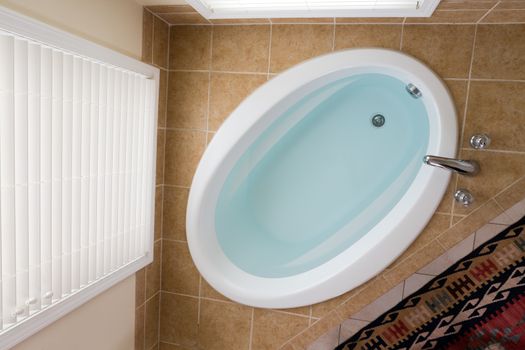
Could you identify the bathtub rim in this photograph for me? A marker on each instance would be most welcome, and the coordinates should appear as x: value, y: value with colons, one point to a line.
x: 359, y: 262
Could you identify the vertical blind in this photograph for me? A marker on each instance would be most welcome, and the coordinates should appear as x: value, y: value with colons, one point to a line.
x: 76, y: 168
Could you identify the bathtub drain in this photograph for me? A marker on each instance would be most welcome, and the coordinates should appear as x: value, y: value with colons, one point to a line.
x: 378, y: 120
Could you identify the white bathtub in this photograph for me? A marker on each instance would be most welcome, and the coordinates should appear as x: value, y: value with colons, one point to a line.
x: 316, y: 259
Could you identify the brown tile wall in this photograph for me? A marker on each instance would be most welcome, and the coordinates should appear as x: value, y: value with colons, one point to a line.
x: 476, y: 46
x: 155, y: 43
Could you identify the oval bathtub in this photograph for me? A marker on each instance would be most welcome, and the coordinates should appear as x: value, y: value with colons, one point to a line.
x: 315, y: 183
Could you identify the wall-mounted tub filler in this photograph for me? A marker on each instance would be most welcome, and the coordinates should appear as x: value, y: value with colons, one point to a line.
x: 299, y: 199
x: 460, y: 166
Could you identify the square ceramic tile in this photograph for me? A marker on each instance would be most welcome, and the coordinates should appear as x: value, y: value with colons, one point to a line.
x: 447, y: 49
x: 381, y: 304
x: 271, y: 329
x: 224, y: 325
x: 499, y: 52
x: 414, y: 282
x: 241, y: 48
x: 516, y: 212
x: 449, y: 257
x: 487, y: 232
x: 349, y: 327
x: 385, y: 36
x: 502, y: 219
x: 497, y: 108
x: 173, y: 327
x: 498, y: 170
x: 294, y: 43
x: 327, y: 341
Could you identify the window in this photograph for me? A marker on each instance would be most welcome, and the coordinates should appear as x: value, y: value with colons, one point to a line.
x: 215, y: 9
x: 77, y: 160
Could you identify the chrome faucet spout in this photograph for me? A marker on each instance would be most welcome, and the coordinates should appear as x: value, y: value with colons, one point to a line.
x: 460, y: 166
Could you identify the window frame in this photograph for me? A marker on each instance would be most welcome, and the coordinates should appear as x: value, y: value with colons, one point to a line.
x: 426, y: 9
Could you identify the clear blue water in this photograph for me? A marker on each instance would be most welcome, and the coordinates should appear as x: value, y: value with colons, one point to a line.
x: 321, y: 176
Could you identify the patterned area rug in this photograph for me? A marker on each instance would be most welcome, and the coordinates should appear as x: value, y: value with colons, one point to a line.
x: 478, y: 303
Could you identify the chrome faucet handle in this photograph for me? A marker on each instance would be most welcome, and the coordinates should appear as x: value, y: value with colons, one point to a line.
x: 464, y: 197
x: 480, y: 141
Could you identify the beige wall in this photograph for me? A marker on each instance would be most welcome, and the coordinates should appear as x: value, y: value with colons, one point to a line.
x: 104, y: 323
x: 113, y: 23
x: 107, y: 321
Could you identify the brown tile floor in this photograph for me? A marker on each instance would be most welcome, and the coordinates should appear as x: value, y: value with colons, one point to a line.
x: 234, y: 59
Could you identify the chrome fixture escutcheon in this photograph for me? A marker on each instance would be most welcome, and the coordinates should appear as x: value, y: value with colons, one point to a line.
x: 480, y: 141
x: 413, y: 90
x: 464, y: 197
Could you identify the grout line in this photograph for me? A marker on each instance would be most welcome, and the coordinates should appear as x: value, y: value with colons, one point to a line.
x: 369, y: 23
x: 503, y: 190
x: 251, y: 330
x: 281, y: 311
x: 153, y: 296
x: 427, y: 274
x: 455, y: 79
x: 462, y: 136
x: 441, y: 24
x: 489, y: 11
x: 499, y: 80
x: 310, y: 316
x: 269, y: 52
x: 402, y: 33
x: 174, y: 240
x: 144, y: 321
x: 502, y: 23
x: 360, y: 319
x: 187, y: 129
x: 462, y: 10
x: 209, y: 94
x: 453, y: 200
x: 160, y: 283
x: 473, y: 242
x: 445, y: 250
x: 176, y: 186
x: 492, y: 150
x: 165, y: 119
x: 333, y: 36
x: 158, y: 320
x: 156, y: 15
x: 191, y: 24
x: 168, y: 53
x: 170, y: 343
x: 178, y: 13
x: 181, y: 294
x: 502, y: 210
x: 232, y: 303
x: 199, y: 301
x: 215, y: 71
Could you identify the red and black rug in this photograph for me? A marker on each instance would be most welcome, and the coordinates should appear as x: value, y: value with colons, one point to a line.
x: 476, y: 304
